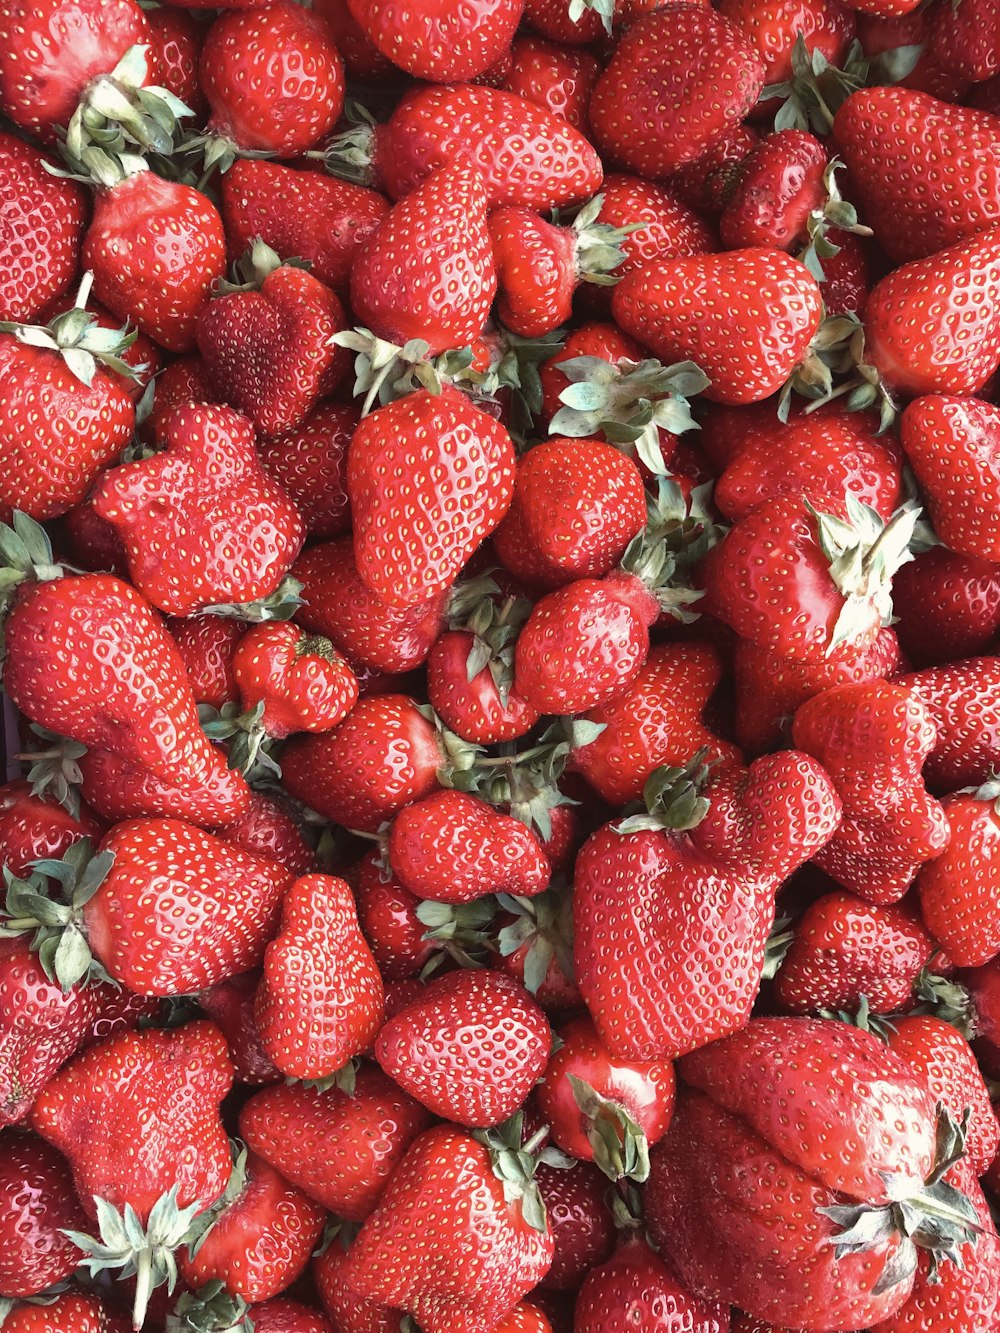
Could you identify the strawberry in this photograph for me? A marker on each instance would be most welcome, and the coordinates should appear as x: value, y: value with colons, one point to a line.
x: 963, y: 703
x: 230, y: 1006
x: 947, y: 606
x: 64, y: 416
x: 897, y: 140
x: 708, y: 309
x: 535, y: 940
x: 44, y: 228
x: 370, y: 633
x: 309, y: 463
x: 284, y: 1316
x: 552, y: 77
x: 844, y: 1134
x: 452, y: 847
x: 352, y: 1313
x: 580, y: 1220
x: 363, y: 61
x: 486, y: 709
x: 176, y: 39
x: 872, y: 739
x: 182, y: 382
x: 469, y: 1047
x: 38, y: 1205
x: 967, y: 43
x: 779, y: 186
x: 773, y: 26
x: 526, y: 157
x: 958, y: 889
x: 138, y: 1118
x: 878, y: 35
x: 340, y: 1148
x: 669, y: 227
x: 844, y: 949
x: 34, y: 826
x: 206, y: 645
x: 70, y: 1311
x: 301, y: 213
x: 637, y: 1289
x: 679, y: 78
x: 603, y: 1109
x: 274, y: 81
x: 429, y: 478
x: 847, y: 277
x: 262, y: 1235
x: 220, y: 505
x: 131, y: 700
x: 657, y: 720
x: 671, y: 926
x: 303, y: 684
x: 580, y: 25
x: 320, y: 1001
x: 142, y: 359
x: 438, y: 42
x: 704, y: 184
x: 451, y: 1241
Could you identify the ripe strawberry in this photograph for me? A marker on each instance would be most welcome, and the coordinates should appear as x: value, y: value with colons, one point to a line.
x: 842, y: 1130
x: 552, y: 77
x: 878, y: 35
x: 704, y: 184
x: 273, y: 79
x: 429, y: 478
x: 45, y: 216
x: 847, y: 277
x: 958, y: 889
x: 947, y: 606
x: 303, y: 684
x: 773, y: 26
x: 230, y: 1006
x: 486, y: 709
x: 679, y: 78
x: 37, y: 1203
x: 452, y: 847
x: 321, y: 1000
x: 451, y: 1241
x: 580, y: 1221
x: 669, y: 227
x: 657, y: 720
x: 780, y: 186
x: 438, y: 42
x: 70, y: 1311
x: 582, y: 24
x: 340, y: 1148
x: 309, y: 463
x: 299, y: 213
x: 363, y: 61
x: 636, y: 1289
x: 964, y: 705
x: 844, y: 949
x: 535, y: 940
x: 873, y: 739
x: 671, y: 926
x: 33, y: 826
x: 284, y: 1316
x: 592, y: 341
x: 261, y: 1238
x: 708, y: 309
x: 206, y: 645
x: 526, y: 157
x: 205, y: 545
x: 176, y: 38
x: 967, y: 43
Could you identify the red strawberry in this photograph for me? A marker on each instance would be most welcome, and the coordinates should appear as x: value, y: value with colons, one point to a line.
x: 595, y: 340
x: 469, y: 1047
x: 262, y: 1237
x: 284, y: 1316
x: 485, y: 709
x: 679, y: 78
x: 704, y: 184
x: 746, y: 317
x: 273, y: 78
x: 881, y: 34
x: 773, y: 26
x: 451, y: 1241
x: 580, y: 1221
x: 552, y: 77
x: 437, y: 41
x: 300, y: 214
x: 399, y: 940
x: 310, y: 465
x: 960, y: 889
x: 779, y: 187
x: 352, y: 1313
x: 427, y: 271
x: 669, y: 228
x: 536, y: 945
x: 321, y: 1000
x: 636, y: 1289
x: 873, y: 739
x: 525, y: 156
x: 844, y: 950
x: 226, y: 534
x: 967, y: 42
x: 206, y: 645
x: 947, y: 606
x: 847, y: 277
x: 69, y: 1312
x: 34, y: 826
x: 303, y: 684
x: 230, y: 1006
x: 45, y: 215
x: 963, y: 702
x: 364, y: 62
x: 176, y: 39
x: 429, y: 477
x: 583, y: 24
x: 340, y: 1148
x: 671, y: 926
x: 453, y: 847
x: 37, y: 1203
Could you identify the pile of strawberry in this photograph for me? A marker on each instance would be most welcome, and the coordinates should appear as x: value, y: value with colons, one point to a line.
x: 500, y: 585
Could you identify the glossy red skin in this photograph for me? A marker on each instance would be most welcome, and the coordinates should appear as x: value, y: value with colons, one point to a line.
x: 230, y: 1006
x: 958, y: 889
x: 388, y: 915
x: 37, y: 1201
x: 445, y: 1200
x: 536, y: 271
x: 304, y: 684
x: 636, y: 1289
x: 182, y: 381
x: 273, y: 78
x: 177, y: 39
x: 878, y: 34
x: 826, y: 25
x: 261, y: 1241
x: 52, y: 49
x: 370, y: 634
x: 32, y: 827
x: 527, y: 158
x: 845, y: 948
x: 704, y: 184
x: 309, y: 463
x: 968, y: 44
x: 230, y: 903
x: 352, y: 1313
x: 281, y: 1315
x: 118, y: 1011
x: 44, y: 227
x: 779, y: 185
x: 671, y: 928
x: 594, y: 338
x: 472, y: 709
x: 363, y: 60
x: 229, y: 535
x: 657, y: 720
x: 156, y: 248
x: 76, y: 1311
x: 340, y: 1150
x: 384, y: 755
x: 206, y: 645
x: 947, y: 607
x: 671, y: 228
x: 269, y: 829
x: 579, y: 1219
x: 136, y: 706
x: 554, y: 78
x: 963, y: 701
x: 439, y: 42
x: 139, y: 1114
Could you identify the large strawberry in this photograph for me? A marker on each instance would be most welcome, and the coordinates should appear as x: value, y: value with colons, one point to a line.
x: 638, y: 1289
x: 437, y: 41
x: 959, y: 889
x: 964, y: 704
x: 201, y: 521
x: 671, y: 926
x: 39, y: 1204
x: 429, y: 476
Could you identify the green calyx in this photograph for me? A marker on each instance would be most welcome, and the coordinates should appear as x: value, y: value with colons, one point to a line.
x: 25, y: 553
x: 835, y: 368
x: 598, y: 245
x: 621, y: 1149
x: 947, y: 1000
x: 278, y: 605
x: 56, y: 923
x: 211, y: 1309
x: 54, y: 773
x: 249, y: 749
x: 351, y: 155
x: 344, y: 1079
x: 458, y: 757
x: 525, y: 782
x: 835, y: 214
x: 812, y: 96
x: 494, y: 623
x: 459, y: 932
x: 385, y: 372
x: 678, y: 533
x: 864, y: 552
x: 254, y: 267
x: 516, y: 371
x: 629, y: 403
x: 778, y: 943
x: 545, y: 924
x: 879, y: 1025
x: 671, y: 798
x: 938, y: 1219
x: 514, y: 1163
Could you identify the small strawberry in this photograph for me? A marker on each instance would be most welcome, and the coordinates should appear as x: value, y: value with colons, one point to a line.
x: 303, y: 684
x: 535, y: 940
x: 960, y: 889
x: 176, y: 38
x: 363, y: 61
x: 947, y: 606
x: 309, y: 463
x: 36, y: 824
x: 194, y: 517
x: 669, y: 227
x: 552, y: 77
x: 585, y: 23
x: 230, y: 1006
x: 438, y: 42
x: 206, y: 645
x: 964, y: 705
x: 826, y: 26
x: 704, y: 184
x: 38, y: 1204
x: 582, y: 1226
x: 637, y: 1289
x: 339, y: 1147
